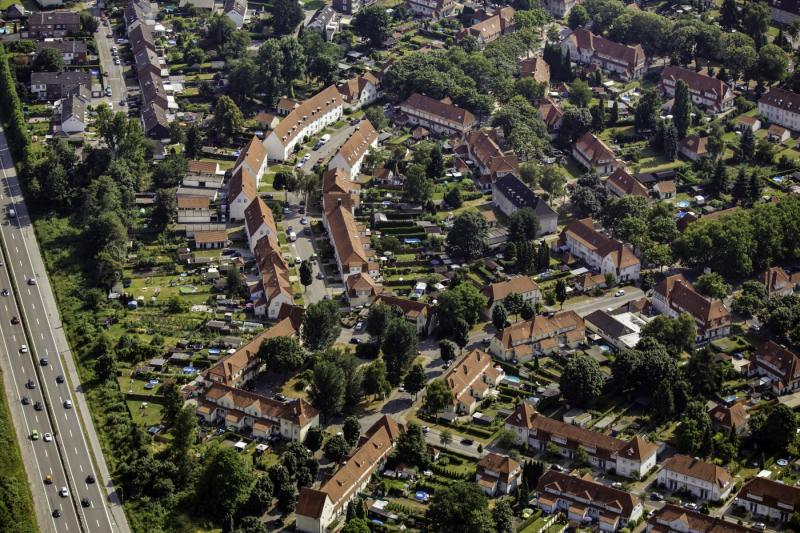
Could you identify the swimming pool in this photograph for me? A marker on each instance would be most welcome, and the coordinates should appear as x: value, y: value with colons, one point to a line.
x: 512, y: 379
x: 683, y: 203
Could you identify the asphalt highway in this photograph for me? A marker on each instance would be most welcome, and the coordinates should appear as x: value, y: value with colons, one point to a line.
x: 69, y: 458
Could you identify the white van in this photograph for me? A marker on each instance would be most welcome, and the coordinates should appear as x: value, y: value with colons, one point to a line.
x: 12, y: 213
x: 292, y: 236
x: 325, y: 138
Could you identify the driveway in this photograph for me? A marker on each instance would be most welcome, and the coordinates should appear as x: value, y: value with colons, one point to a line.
x: 303, y: 248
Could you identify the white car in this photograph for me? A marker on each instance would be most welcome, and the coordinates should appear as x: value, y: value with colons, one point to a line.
x: 297, y: 260
x: 67, y: 404
x: 619, y: 293
x: 48, y: 437
x: 23, y: 349
x: 64, y: 492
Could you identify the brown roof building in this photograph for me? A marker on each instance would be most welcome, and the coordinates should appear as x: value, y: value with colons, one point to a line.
x: 484, y: 150
x: 626, y: 61
x: 318, y: 508
x: 781, y: 107
x: 498, y: 474
x: 705, y: 481
x: 729, y: 417
x: 420, y: 314
x: 777, y: 282
x: 620, y: 183
x: 675, y: 295
x: 350, y: 156
x: 705, y: 91
x: 632, y: 458
x: 439, y: 116
x: 593, y: 154
x: 672, y: 518
x: 694, y: 147
x: 609, y: 256
x: 583, y: 498
x: 771, y: 499
x: 522, y: 285
x: 539, y: 335
x: 241, y: 192
x: 779, y: 364
x: 486, y: 31
x: 535, y: 67
x: 470, y: 379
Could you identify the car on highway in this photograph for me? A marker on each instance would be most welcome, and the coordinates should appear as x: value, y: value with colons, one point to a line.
x: 14, y: 320
x: 63, y: 492
x: 59, y: 379
x: 31, y: 281
x: 90, y: 479
x: 31, y: 384
x: 85, y: 502
x: 5, y: 292
x: 48, y: 479
x: 48, y: 437
x: 38, y: 406
x: 35, y: 434
x: 26, y: 400
x: 43, y: 361
x: 23, y: 349
x: 67, y: 404
x: 56, y: 513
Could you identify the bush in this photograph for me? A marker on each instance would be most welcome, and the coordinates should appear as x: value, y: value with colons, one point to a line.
x: 367, y: 350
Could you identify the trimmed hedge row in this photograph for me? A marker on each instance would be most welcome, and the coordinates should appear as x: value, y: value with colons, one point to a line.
x: 11, y: 107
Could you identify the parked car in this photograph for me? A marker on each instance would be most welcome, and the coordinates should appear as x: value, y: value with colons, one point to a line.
x: 467, y: 442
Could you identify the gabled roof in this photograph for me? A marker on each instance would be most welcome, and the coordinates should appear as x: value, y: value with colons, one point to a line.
x: 583, y: 231
x: 517, y: 284
x: 541, y: 327
x: 65, y: 47
x: 550, y: 113
x: 296, y: 410
x: 306, y: 113
x: 274, y: 271
x: 677, y: 290
x: 781, y: 98
x: 594, y: 149
x: 336, y: 180
x: 241, y: 181
x: 195, y: 166
x: 258, y: 213
x: 674, y: 518
x: 771, y: 494
x: 519, y: 194
x: 410, y: 308
x: 346, y: 237
x: 691, y: 467
x: 438, y: 108
x: 351, y: 89
x: 466, y: 373
x: 360, y: 282
x: 587, y: 490
x: 638, y: 449
x: 623, y: 54
x: 536, y: 67
x: 155, y: 119
x: 358, y: 144
x: 40, y: 18
x: 624, y: 183
x: 780, y: 358
x: 697, y: 82
x: 734, y: 416
x: 492, y: 27
x: 253, y: 153
x: 236, y: 6
x: 695, y: 144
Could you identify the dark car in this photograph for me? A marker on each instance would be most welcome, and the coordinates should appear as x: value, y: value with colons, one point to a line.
x: 14, y: 320
x: 56, y: 513
x: 26, y: 400
x: 38, y: 406
x: 43, y: 361
x: 467, y: 442
x: 355, y: 340
x: 31, y: 384
x: 59, y: 379
x: 5, y: 292
x: 85, y: 502
x: 90, y: 479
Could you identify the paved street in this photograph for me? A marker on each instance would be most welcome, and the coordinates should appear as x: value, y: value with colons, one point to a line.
x: 115, y: 79
x: 40, y: 314
x: 586, y: 307
x: 303, y: 248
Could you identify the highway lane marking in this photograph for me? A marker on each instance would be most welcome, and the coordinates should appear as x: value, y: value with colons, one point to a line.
x: 70, y: 434
x: 37, y: 321
x: 46, y: 454
x: 76, y: 450
x: 79, y: 466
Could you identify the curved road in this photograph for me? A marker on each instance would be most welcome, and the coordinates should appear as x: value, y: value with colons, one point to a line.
x: 39, y: 313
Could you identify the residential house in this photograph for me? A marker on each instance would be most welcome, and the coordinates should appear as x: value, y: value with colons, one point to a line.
x: 210, y: 239
x: 351, y: 243
x: 510, y: 195
x: 253, y: 157
x: 140, y: 37
x: 781, y: 107
x: 155, y: 122
x: 203, y: 174
x: 746, y: 122
x: 53, y: 24
x: 350, y: 156
x: 694, y: 147
x: 583, y: 499
x: 488, y: 30
x: 588, y: 282
x: 259, y: 222
x: 537, y: 68
x: 727, y: 418
x: 626, y: 61
x: 523, y: 285
x: 777, y: 363
x: 242, y: 191
x: 703, y: 480
x: 326, y: 21
x: 594, y: 155
x: 439, y: 116
x: 350, y: 7
x: 609, y: 256
x: 148, y: 61
x: 419, y: 314
x: 620, y: 184
x: 360, y: 91
x: 665, y: 190
x: 777, y: 134
x: 307, y: 119
x: 267, y: 121
x: 633, y: 458
x: 244, y: 364
x: 771, y: 499
x: 236, y: 11
x: 52, y: 86
x: 71, y: 111
x: 431, y: 9
x: 470, y: 379
x: 275, y: 286
x: 539, y: 335
x: 498, y: 475
x: 675, y: 295
x: 559, y: 8
x: 72, y: 52
x: 319, y: 508
x: 674, y: 519
x: 361, y: 289
x: 261, y: 415
x: 16, y: 12
x: 286, y: 106
x: 777, y: 282
x: 484, y: 150
x: 706, y: 92
x: 784, y: 11
x: 338, y: 190
x: 620, y: 330
x: 552, y: 116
